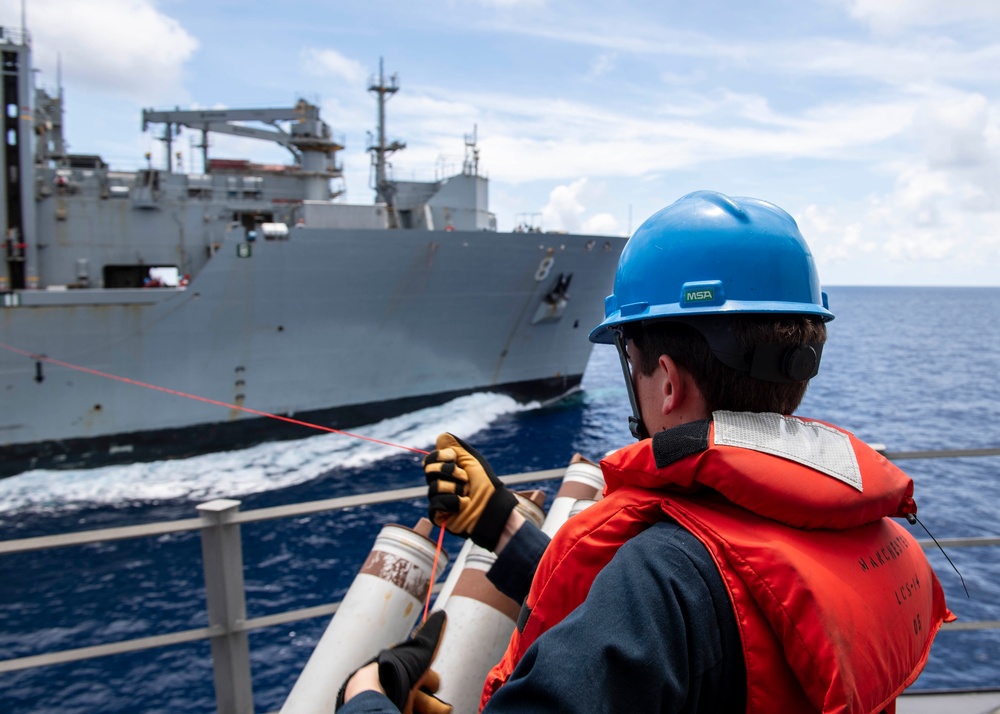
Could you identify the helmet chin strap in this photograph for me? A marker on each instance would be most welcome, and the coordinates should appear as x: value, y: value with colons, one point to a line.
x: 635, y: 424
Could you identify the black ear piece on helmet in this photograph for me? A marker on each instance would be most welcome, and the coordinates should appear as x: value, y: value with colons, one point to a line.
x: 767, y: 362
x: 781, y: 363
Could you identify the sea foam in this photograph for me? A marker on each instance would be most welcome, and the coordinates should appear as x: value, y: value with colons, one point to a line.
x: 264, y: 467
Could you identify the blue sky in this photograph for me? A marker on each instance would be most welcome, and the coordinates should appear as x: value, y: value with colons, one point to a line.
x: 876, y: 123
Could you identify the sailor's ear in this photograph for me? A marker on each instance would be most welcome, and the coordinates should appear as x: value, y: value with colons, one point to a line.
x: 681, y: 395
x: 672, y: 385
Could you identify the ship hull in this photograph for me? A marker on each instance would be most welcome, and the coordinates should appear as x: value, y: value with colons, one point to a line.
x: 342, y: 326
x: 140, y: 446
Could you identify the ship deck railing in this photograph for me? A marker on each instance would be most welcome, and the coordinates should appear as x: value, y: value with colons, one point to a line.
x: 14, y: 36
x: 222, y: 561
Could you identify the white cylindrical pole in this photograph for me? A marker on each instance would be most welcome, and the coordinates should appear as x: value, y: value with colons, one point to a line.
x: 480, y: 619
x: 379, y: 610
x: 583, y: 480
x: 581, y: 505
x: 480, y: 622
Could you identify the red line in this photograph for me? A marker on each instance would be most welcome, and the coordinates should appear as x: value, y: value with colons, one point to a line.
x: 177, y: 393
x: 437, y: 554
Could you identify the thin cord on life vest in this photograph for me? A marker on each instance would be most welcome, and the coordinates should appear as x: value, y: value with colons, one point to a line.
x: 177, y: 393
x: 912, y: 518
x: 437, y: 555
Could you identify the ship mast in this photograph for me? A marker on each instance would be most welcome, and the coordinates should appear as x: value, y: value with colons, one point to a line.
x: 18, y: 239
x: 470, y: 166
x: 384, y: 190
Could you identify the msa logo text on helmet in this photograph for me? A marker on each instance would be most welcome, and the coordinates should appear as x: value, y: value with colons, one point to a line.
x: 699, y: 295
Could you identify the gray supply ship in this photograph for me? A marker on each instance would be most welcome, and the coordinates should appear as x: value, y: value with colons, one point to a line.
x: 253, y: 286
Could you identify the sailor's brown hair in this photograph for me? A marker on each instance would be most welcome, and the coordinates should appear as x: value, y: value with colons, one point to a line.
x: 722, y: 386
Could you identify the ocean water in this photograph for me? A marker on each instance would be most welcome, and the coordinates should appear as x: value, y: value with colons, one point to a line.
x: 912, y: 368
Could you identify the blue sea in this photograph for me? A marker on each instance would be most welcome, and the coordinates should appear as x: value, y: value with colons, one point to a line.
x: 911, y: 368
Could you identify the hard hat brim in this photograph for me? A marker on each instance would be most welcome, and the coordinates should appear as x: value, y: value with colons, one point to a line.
x: 604, y: 333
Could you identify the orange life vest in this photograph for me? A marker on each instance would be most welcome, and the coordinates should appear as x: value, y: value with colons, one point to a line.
x: 835, y: 603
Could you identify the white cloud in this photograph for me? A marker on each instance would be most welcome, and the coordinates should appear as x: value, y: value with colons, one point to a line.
x: 829, y: 238
x: 602, y: 224
x: 925, y: 218
x: 127, y: 47
x: 960, y: 135
x: 561, y: 139
x: 940, y: 219
x: 894, y: 15
x: 327, y: 62
x: 890, y: 60
x: 565, y: 210
x: 680, y: 79
x: 507, y: 4
x: 602, y: 64
x: 614, y: 34
x: 889, y: 141
x: 954, y: 128
x: 920, y: 221
x: 900, y: 64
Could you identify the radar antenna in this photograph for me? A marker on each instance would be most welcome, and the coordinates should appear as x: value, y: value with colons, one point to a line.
x: 470, y: 166
x: 384, y: 190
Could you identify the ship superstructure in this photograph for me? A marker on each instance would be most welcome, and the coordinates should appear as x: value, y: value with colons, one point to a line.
x: 257, y: 285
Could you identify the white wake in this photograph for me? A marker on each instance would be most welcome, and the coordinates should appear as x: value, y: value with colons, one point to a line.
x: 260, y: 468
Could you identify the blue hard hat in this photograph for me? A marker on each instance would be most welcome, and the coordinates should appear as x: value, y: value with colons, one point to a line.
x: 709, y: 254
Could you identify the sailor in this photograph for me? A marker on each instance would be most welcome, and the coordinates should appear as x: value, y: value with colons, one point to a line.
x: 742, y: 559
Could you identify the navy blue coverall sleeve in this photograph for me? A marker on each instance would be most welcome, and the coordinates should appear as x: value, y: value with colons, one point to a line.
x: 655, y: 634
x: 515, y: 567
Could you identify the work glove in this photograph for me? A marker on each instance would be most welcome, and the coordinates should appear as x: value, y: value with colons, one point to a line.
x: 404, y: 670
x: 464, y: 494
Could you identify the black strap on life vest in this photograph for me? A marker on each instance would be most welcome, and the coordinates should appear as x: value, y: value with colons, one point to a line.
x: 674, y: 444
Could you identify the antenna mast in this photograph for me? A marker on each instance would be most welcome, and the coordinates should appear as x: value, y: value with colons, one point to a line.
x: 380, y: 151
x: 470, y: 167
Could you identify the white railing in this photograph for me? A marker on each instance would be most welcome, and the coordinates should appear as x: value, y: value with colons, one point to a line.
x: 222, y: 556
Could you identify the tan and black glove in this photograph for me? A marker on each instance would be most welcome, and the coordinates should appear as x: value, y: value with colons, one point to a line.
x: 404, y: 670
x: 465, y: 494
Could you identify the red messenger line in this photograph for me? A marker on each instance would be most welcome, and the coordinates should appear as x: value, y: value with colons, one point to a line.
x: 434, y: 567
x: 177, y: 393
x: 126, y: 380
